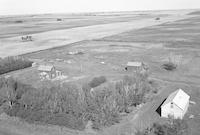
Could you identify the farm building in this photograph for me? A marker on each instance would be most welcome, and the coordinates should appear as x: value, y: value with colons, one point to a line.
x: 48, y: 70
x: 58, y: 73
x: 134, y: 66
x: 34, y: 64
x: 176, y: 105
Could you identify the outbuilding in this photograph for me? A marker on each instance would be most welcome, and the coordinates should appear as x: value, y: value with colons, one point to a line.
x: 176, y: 105
x: 49, y: 69
x: 134, y: 66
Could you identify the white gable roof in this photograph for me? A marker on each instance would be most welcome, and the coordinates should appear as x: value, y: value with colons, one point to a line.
x: 134, y: 64
x: 178, y: 97
x: 45, y: 68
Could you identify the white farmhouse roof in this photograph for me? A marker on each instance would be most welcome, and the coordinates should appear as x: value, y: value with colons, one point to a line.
x: 46, y: 68
x: 178, y: 97
x: 134, y: 64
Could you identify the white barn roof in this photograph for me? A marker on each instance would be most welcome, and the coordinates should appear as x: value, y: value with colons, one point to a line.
x: 134, y: 64
x: 47, y: 68
x: 178, y: 97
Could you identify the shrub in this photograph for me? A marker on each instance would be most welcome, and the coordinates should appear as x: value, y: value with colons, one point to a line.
x: 59, y: 19
x: 169, y: 66
x: 97, y: 81
x: 173, y: 127
x: 158, y: 18
x: 158, y: 129
x: 79, y: 53
x: 19, y: 21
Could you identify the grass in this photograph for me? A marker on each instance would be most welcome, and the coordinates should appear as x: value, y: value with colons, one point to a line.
x: 47, y: 23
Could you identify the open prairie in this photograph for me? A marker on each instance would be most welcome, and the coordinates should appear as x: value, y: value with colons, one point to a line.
x: 52, y: 33
x: 104, y: 43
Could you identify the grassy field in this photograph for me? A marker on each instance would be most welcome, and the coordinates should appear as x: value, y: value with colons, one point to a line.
x: 62, y: 36
x: 153, y: 45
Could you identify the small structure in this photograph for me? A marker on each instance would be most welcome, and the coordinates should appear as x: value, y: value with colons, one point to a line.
x: 58, y: 73
x: 34, y: 64
x: 26, y: 38
x: 48, y: 70
x: 176, y: 105
x: 134, y: 66
x: 76, y: 52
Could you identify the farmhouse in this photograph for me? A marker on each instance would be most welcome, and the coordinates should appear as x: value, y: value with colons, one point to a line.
x: 134, y: 66
x: 176, y: 105
x: 48, y: 70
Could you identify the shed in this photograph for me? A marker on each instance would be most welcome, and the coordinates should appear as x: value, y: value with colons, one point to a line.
x: 133, y: 66
x: 34, y: 64
x: 49, y: 69
x: 176, y: 105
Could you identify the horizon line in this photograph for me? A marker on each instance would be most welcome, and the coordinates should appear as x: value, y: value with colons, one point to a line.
x: 82, y: 12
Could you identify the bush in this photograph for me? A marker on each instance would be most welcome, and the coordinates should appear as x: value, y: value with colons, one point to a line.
x: 19, y: 21
x: 169, y: 66
x: 11, y: 64
x: 97, y: 81
x: 79, y: 53
x: 158, y: 18
x: 158, y: 129
x: 59, y: 19
x: 173, y: 127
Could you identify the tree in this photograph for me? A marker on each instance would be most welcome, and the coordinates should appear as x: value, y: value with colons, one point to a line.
x: 97, y: 81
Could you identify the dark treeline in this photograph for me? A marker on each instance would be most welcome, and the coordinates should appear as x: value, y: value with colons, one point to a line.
x: 9, y: 64
x: 72, y: 106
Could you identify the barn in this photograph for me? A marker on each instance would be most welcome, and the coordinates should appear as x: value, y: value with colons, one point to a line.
x: 134, y: 66
x: 48, y: 69
x: 176, y: 105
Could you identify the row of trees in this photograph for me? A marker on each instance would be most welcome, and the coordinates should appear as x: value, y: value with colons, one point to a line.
x: 9, y: 64
x: 73, y: 106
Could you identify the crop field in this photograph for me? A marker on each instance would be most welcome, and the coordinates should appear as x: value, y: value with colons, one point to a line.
x: 91, y: 45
